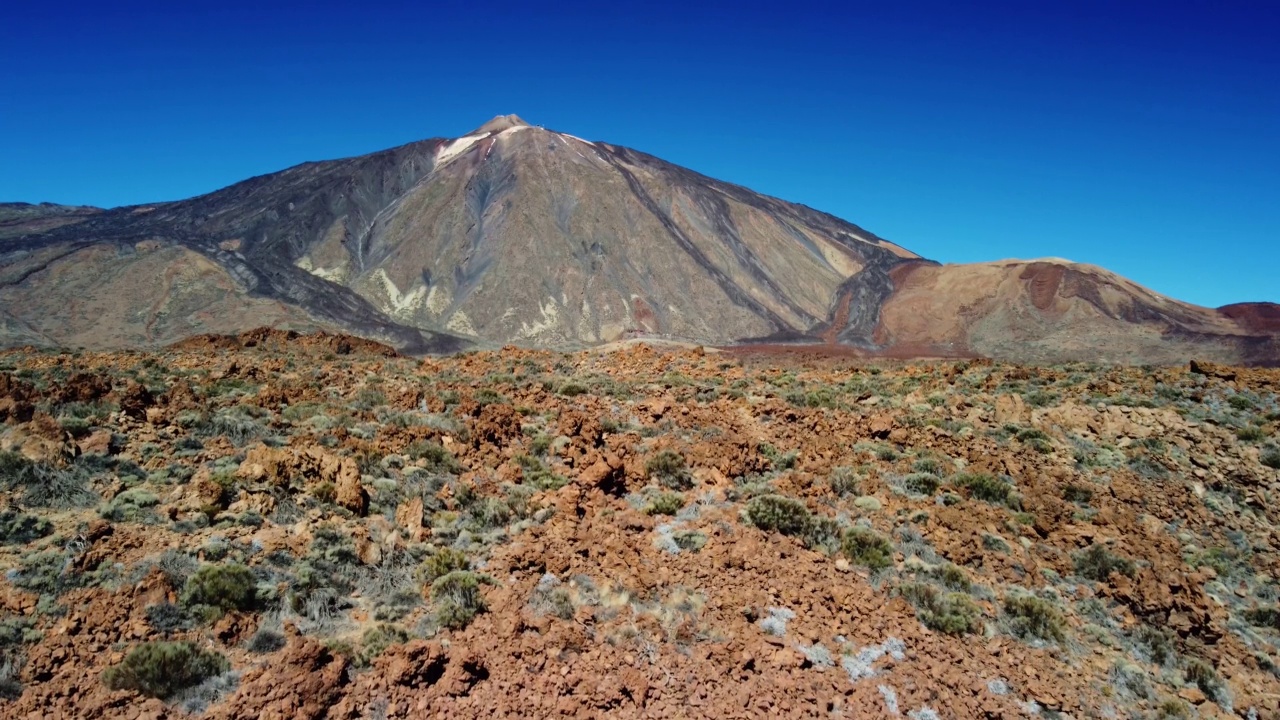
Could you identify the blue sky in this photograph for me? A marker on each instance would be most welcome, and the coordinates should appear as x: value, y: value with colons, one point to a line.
x: 1140, y: 136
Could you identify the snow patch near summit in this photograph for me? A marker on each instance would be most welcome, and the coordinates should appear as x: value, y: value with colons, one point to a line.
x: 457, y: 147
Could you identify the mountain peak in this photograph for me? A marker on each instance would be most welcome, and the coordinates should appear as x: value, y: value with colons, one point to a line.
x: 500, y: 123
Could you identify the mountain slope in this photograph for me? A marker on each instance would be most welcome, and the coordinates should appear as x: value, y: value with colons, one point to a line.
x: 517, y: 234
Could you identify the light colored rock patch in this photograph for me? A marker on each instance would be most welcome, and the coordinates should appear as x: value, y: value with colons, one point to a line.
x: 586, y: 323
x: 399, y: 304
x: 550, y: 320
x: 460, y: 323
x: 334, y: 274
x: 438, y: 300
x: 457, y: 147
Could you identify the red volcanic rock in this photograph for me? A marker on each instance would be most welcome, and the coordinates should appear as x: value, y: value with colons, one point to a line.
x: 1256, y: 317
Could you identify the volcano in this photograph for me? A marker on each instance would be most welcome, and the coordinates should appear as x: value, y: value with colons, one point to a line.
x: 516, y: 234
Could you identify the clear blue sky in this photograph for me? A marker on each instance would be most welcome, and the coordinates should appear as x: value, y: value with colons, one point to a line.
x: 1141, y: 136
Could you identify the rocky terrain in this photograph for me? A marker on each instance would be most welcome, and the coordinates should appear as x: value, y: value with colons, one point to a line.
x: 312, y: 526
x: 516, y: 234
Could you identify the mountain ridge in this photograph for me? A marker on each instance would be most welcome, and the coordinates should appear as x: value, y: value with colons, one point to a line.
x: 515, y: 234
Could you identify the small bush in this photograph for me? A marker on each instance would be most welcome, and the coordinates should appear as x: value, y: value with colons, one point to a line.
x: 984, y: 487
x: 1097, y: 563
x: 916, y: 484
x: 1250, y: 433
x: 224, y: 587
x: 457, y: 598
x: 46, y: 573
x: 436, y: 456
x: 690, y: 540
x: 778, y: 513
x: 1202, y: 675
x: 864, y: 546
x: 953, y: 613
x: 1173, y: 709
x: 845, y: 483
x: 46, y: 486
x: 537, y: 474
x: 266, y: 641
x: 780, y: 461
x: 162, y: 669
x: 441, y: 563
x: 1157, y: 642
x: 1271, y: 458
x: 1034, y: 618
x: 1077, y: 493
x: 1240, y: 402
x: 167, y: 617
x: 1265, y: 616
x: 132, y: 505
x: 668, y: 469
x: 667, y: 503
x: 953, y: 577
x: 177, y: 566
x: 19, y: 528
x: 377, y: 639
x: 572, y: 389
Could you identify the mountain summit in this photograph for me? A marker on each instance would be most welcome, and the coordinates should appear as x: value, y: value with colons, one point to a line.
x: 518, y: 234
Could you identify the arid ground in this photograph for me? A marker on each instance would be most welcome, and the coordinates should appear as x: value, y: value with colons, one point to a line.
x: 283, y: 526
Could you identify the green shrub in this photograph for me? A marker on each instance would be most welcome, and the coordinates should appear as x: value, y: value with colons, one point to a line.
x: 167, y: 618
x: 864, y: 546
x: 457, y: 599
x: 132, y: 505
x: 1265, y: 616
x: 994, y: 543
x: 1271, y: 458
x: 19, y: 528
x: 667, y: 503
x: 572, y: 389
x: 953, y: 577
x: 1077, y: 493
x: 1250, y: 433
x: 984, y: 487
x: 436, y: 456
x: 489, y: 513
x: 16, y: 631
x: 377, y: 639
x: 1173, y: 709
x: 690, y: 540
x: 1158, y: 643
x: 1240, y: 402
x: 441, y: 563
x: 537, y: 474
x: 1202, y: 675
x: 45, y: 573
x: 953, y: 613
x: 1034, y: 618
x: 844, y: 482
x: 668, y: 469
x: 266, y: 641
x: 1097, y: 563
x: 918, y: 483
x: 1035, y: 439
x: 162, y: 669
x: 778, y: 513
x: 46, y: 486
x: 222, y: 587
x: 927, y: 465
x: 780, y: 461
